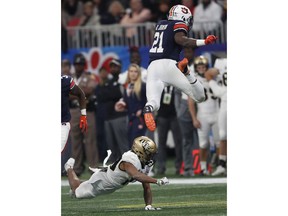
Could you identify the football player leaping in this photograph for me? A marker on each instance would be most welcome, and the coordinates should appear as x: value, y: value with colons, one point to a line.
x: 164, y: 69
x: 134, y: 165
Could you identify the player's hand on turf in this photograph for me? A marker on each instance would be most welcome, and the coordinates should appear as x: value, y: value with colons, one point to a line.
x: 210, y: 39
x: 151, y: 208
x: 83, y: 123
x: 162, y: 181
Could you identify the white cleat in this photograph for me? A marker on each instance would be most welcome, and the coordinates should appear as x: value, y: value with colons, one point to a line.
x: 69, y: 164
x: 219, y: 171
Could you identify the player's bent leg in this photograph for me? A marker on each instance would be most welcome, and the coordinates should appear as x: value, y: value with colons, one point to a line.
x: 186, y: 83
x: 154, y: 88
x: 196, y: 91
x: 73, y: 179
x: 84, y: 191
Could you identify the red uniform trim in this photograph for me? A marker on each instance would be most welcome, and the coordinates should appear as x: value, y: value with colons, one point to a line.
x: 180, y: 26
x: 72, y: 84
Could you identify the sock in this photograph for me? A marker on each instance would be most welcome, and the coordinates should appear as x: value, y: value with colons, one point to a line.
x: 222, y: 160
x: 191, y: 78
x: 203, y: 165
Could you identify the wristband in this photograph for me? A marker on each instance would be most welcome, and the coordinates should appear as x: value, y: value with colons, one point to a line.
x: 200, y: 42
x: 83, y: 112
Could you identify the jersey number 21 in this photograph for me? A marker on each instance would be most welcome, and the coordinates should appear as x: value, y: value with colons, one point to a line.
x: 157, y: 43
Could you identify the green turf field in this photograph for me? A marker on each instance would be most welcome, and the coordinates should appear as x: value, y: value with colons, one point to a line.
x: 174, y: 199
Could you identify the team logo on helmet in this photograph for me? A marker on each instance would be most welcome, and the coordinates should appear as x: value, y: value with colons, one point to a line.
x: 184, y: 10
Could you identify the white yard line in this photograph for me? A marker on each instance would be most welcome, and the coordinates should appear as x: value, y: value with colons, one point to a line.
x: 180, y: 181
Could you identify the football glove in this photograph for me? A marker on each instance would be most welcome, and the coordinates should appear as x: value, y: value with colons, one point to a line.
x: 150, y: 208
x: 162, y: 181
x: 83, y: 123
x: 210, y: 39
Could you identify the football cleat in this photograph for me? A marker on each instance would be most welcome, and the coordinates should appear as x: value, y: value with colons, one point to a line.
x: 69, y: 164
x: 182, y: 65
x: 220, y: 170
x: 149, y: 119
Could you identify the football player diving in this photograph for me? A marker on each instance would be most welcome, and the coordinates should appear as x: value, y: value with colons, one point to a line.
x: 134, y: 165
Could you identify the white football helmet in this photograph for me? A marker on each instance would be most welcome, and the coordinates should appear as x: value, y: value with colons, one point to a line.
x: 181, y: 12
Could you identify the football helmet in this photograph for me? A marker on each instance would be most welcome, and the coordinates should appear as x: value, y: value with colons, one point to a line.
x: 181, y: 12
x: 145, y: 149
x: 200, y: 60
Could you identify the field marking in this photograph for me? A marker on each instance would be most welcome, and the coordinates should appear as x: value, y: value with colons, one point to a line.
x: 222, y: 180
x: 180, y: 204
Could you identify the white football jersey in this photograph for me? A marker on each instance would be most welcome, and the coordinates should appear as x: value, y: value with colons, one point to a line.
x: 119, y: 177
x: 219, y: 87
x: 220, y: 90
x: 211, y: 104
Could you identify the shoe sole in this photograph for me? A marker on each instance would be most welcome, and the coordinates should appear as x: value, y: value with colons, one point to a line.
x: 149, y: 121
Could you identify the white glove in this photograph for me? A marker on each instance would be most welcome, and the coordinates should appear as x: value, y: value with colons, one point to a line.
x: 162, y: 181
x: 150, y: 208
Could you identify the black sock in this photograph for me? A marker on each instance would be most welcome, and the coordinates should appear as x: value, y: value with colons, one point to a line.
x: 222, y: 163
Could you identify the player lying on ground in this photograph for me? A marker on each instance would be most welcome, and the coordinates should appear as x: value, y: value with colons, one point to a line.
x: 134, y: 165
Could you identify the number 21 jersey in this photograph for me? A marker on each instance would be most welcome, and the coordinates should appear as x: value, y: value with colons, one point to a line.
x: 164, y: 45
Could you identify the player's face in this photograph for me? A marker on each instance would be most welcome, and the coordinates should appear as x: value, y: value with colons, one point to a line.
x: 201, y: 69
x: 133, y: 74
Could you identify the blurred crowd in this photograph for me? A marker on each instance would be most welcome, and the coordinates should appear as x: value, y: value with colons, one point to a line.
x: 123, y: 12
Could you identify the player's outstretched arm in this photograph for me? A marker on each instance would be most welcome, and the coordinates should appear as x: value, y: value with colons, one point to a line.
x: 141, y: 177
x: 181, y: 39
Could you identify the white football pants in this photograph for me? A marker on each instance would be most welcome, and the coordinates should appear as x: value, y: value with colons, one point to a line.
x: 164, y: 72
x: 65, y: 129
